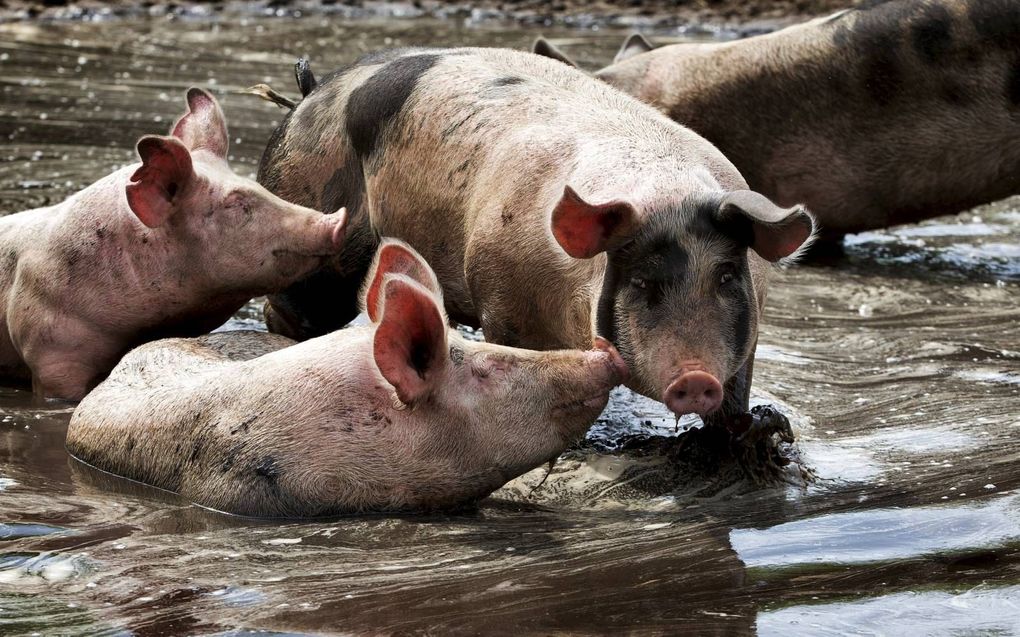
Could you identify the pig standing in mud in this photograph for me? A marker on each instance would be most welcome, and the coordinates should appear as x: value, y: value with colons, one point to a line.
x: 870, y: 117
x: 402, y: 415
x: 171, y: 246
x: 552, y: 208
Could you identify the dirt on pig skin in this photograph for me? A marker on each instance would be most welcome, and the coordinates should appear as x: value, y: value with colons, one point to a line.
x: 898, y: 366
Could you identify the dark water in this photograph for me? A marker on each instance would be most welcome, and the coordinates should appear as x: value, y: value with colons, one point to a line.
x: 899, y: 366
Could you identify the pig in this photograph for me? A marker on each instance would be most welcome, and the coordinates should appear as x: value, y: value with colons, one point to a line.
x: 403, y: 414
x: 552, y: 207
x: 871, y: 117
x: 169, y: 247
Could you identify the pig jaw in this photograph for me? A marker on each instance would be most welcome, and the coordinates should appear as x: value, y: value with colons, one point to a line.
x: 244, y: 239
x: 520, y: 407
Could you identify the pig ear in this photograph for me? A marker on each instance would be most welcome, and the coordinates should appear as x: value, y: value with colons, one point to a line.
x: 396, y: 257
x: 635, y: 44
x: 545, y: 48
x: 776, y: 232
x: 203, y: 126
x: 584, y: 230
x: 164, y: 173
x: 410, y: 341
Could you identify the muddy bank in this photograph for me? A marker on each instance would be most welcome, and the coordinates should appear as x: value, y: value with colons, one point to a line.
x: 683, y: 15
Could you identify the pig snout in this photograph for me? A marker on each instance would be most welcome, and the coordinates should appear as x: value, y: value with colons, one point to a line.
x: 694, y: 392
x: 618, y: 372
x: 334, y: 228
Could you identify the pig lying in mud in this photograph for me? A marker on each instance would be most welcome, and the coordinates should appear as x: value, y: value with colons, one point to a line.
x: 171, y: 246
x: 870, y: 117
x: 552, y: 208
x: 402, y: 415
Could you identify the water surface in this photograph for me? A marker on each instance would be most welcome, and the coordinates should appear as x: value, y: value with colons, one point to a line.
x: 899, y: 366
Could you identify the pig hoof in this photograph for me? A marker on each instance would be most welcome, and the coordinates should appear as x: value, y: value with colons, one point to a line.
x: 763, y: 421
x: 760, y: 440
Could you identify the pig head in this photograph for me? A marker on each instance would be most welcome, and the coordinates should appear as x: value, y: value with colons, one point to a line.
x: 683, y: 288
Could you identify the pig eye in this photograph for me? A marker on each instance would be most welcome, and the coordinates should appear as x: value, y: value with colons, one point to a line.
x: 639, y: 283
x: 727, y: 276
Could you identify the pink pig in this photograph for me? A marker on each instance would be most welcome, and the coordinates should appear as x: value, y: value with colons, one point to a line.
x: 169, y: 247
x: 403, y: 414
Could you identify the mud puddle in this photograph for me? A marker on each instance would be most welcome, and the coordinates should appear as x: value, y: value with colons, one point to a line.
x: 899, y: 366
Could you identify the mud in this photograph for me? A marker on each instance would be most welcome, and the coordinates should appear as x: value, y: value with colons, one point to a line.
x: 897, y: 363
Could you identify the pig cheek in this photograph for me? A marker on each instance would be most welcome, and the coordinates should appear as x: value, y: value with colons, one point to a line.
x: 641, y: 355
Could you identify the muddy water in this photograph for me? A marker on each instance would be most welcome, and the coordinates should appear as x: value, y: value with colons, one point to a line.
x: 899, y: 365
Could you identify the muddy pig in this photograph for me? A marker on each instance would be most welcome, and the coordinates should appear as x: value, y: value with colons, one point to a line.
x: 401, y: 415
x: 171, y: 246
x: 552, y: 208
x: 871, y: 117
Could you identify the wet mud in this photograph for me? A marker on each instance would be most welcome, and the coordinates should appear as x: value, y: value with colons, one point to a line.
x: 897, y: 363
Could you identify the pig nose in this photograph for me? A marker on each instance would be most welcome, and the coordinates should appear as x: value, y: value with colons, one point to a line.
x: 615, y: 360
x: 339, y: 220
x: 694, y: 393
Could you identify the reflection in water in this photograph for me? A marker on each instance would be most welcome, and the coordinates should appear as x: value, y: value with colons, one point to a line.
x: 878, y: 535
x: 979, y: 611
x: 900, y: 379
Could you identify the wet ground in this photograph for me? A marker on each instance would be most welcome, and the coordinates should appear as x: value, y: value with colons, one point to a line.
x: 899, y: 365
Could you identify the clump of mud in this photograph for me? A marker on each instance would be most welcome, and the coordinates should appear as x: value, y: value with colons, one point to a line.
x: 704, y: 462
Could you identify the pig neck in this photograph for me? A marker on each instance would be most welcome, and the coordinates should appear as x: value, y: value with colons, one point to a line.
x: 132, y: 273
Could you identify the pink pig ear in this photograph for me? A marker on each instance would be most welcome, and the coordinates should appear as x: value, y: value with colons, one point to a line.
x: 165, y: 171
x: 410, y: 342
x: 203, y: 127
x: 776, y: 232
x: 584, y: 230
x: 396, y: 257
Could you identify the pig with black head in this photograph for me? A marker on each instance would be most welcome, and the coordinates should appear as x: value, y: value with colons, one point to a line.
x: 170, y: 246
x: 552, y: 207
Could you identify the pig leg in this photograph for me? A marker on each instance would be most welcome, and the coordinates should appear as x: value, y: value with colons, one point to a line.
x: 748, y: 426
x: 58, y: 376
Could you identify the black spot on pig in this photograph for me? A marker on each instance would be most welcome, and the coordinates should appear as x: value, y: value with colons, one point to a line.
x: 269, y: 165
x: 345, y: 188
x: 268, y: 470
x: 955, y: 93
x: 508, y: 80
x: 374, y: 104
x: 1012, y: 88
x: 882, y: 74
x: 196, y: 450
x: 996, y: 21
x: 931, y: 33
x: 874, y: 40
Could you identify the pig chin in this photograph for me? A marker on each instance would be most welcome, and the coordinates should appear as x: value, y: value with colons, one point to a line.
x: 572, y: 418
x: 291, y: 266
